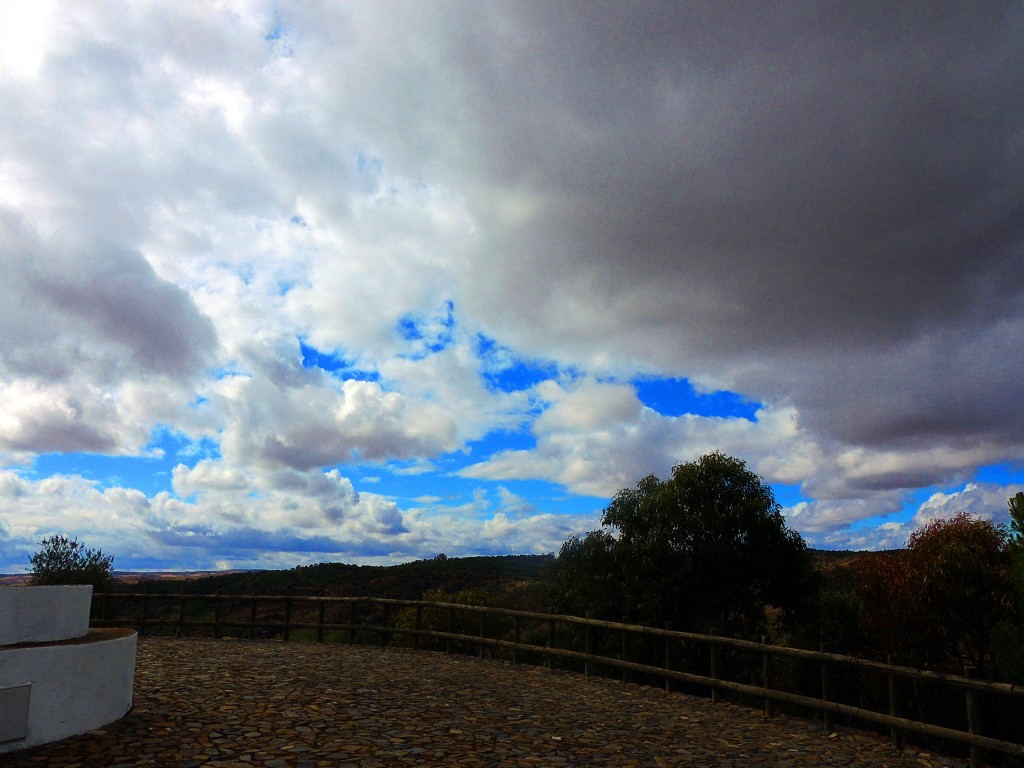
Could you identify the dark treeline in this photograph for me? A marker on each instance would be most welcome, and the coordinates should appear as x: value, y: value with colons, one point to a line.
x: 511, y: 576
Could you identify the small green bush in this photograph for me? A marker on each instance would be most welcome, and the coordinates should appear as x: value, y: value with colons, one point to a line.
x: 64, y: 561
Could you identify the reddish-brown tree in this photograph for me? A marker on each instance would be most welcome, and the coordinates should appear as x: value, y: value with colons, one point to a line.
x: 936, y: 603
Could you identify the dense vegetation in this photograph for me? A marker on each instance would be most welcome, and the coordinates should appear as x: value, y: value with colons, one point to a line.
x: 705, y: 550
x: 708, y: 549
x: 938, y: 602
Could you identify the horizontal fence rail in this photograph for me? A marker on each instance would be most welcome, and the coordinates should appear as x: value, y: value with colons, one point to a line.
x: 524, y: 635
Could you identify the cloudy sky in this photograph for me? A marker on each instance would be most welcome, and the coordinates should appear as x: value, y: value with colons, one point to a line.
x: 320, y: 281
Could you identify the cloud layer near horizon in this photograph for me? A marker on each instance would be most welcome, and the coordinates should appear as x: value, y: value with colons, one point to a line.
x: 814, y: 206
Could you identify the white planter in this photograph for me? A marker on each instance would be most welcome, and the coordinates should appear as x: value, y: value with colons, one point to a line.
x: 43, y: 614
x: 75, y: 686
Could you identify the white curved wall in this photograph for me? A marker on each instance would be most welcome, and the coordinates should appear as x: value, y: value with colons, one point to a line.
x: 76, y: 686
x: 43, y: 614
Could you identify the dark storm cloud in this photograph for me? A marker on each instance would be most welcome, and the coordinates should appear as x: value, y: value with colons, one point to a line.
x: 750, y: 191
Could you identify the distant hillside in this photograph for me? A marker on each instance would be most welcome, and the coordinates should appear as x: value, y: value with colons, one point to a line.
x: 407, y: 581
x: 838, y: 567
x: 499, y: 575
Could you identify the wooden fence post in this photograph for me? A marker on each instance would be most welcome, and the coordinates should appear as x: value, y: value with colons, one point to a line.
x: 668, y: 658
x: 974, y: 718
x: 216, y: 617
x: 483, y: 634
x: 142, y: 618
x: 716, y: 669
x: 451, y: 628
x: 419, y: 625
x: 588, y: 646
x: 287, y: 614
x: 252, y: 614
x: 895, y: 734
x: 387, y: 615
x: 551, y: 643
x: 766, y: 676
x: 321, y: 606
x: 352, y: 622
x: 517, y: 628
x: 625, y: 650
x: 826, y: 690
x: 181, y: 613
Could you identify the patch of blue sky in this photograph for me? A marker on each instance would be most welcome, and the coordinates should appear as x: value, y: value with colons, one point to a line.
x: 277, y: 27
x: 247, y: 273
x: 369, y: 174
x: 439, y: 487
x: 190, y: 452
x: 231, y: 369
x: 870, y: 523
x: 277, y: 35
x: 788, y: 495
x: 149, y: 473
x: 314, y: 358
x: 1001, y: 474
x: 677, y: 396
x: 371, y: 165
x: 1006, y: 474
x: 996, y: 474
x: 441, y: 484
x: 491, y: 443
x: 435, y: 487
x: 409, y: 329
x: 428, y: 334
x: 438, y: 492
x: 446, y: 466
x: 546, y: 496
x: 911, y: 504
x: 334, y: 364
x: 504, y: 371
x: 362, y: 473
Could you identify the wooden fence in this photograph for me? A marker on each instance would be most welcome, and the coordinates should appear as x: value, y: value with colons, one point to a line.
x: 527, y: 635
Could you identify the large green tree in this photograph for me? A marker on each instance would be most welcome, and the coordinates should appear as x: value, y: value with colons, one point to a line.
x: 585, y: 577
x: 707, y: 549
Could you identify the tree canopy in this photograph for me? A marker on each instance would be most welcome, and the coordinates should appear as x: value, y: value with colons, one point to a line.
x: 1016, y: 505
x: 65, y: 561
x: 937, y: 602
x: 707, y: 549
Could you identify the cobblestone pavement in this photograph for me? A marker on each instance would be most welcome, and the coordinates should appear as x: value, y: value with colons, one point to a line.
x: 242, y: 704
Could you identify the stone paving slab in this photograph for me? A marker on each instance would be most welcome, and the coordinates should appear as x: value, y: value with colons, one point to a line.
x: 243, y: 704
